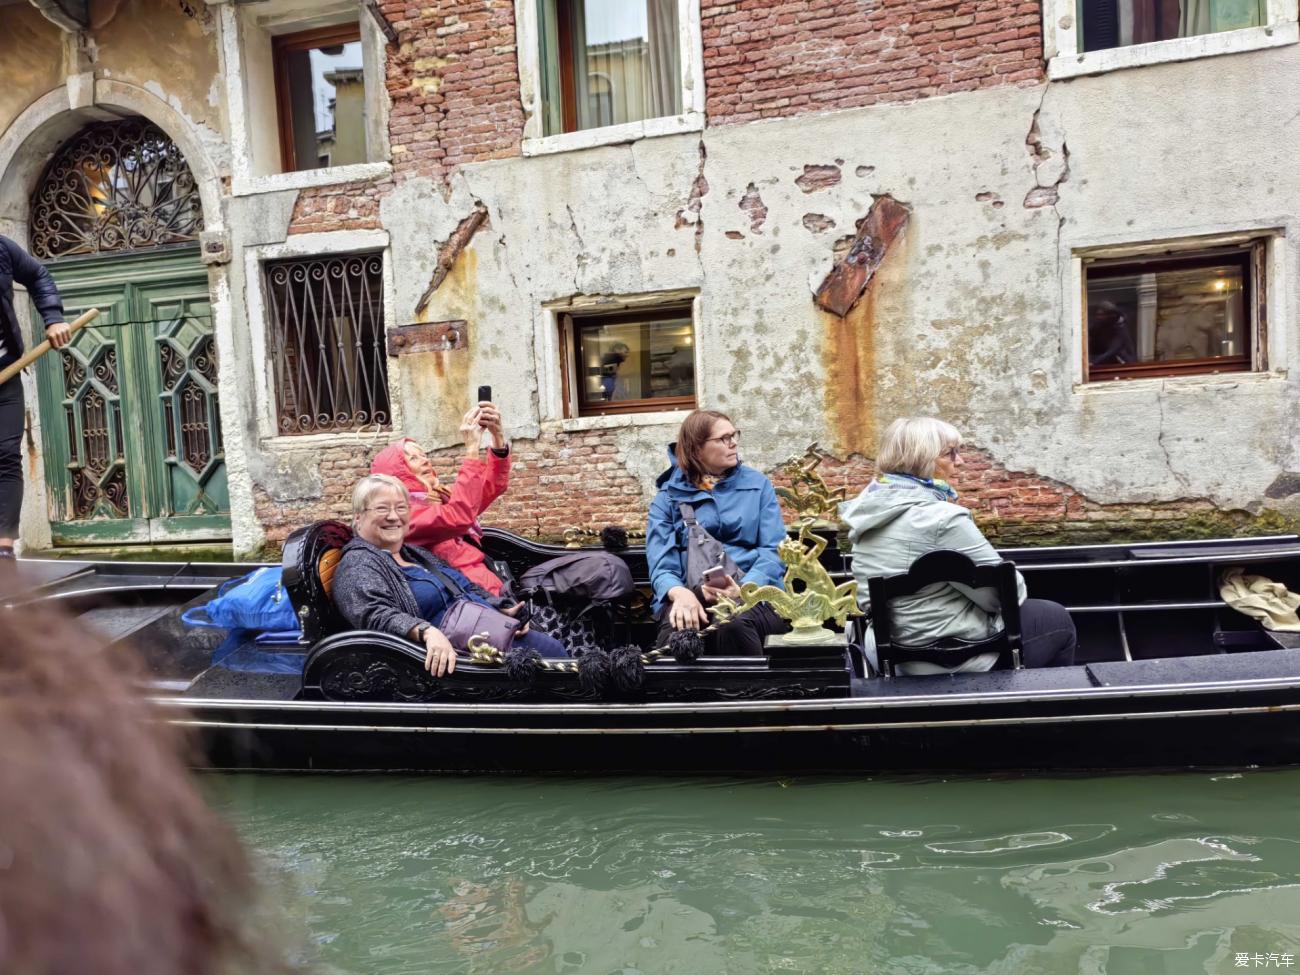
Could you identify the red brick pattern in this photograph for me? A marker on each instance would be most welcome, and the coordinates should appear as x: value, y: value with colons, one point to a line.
x: 453, y: 80
x: 558, y: 481
x: 454, y: 84
x: 1013, y: 507
x: 776, y: 58
x: 348, y: 207
x: 567, y: 480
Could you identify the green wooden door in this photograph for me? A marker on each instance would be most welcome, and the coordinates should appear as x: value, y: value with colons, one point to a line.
x: 130, y: 426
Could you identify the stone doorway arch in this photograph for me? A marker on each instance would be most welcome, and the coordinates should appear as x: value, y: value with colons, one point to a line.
x: 131, y: 437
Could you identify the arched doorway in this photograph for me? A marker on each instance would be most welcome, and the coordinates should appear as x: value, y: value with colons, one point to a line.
x: 131, y: 430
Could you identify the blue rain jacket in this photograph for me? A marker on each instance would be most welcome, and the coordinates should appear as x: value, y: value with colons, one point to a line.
x: 742, y: 512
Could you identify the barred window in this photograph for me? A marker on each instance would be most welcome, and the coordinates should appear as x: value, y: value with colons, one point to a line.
x: 327, y: 344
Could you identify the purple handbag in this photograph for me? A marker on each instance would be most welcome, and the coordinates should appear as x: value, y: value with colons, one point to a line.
x: 466, y: 618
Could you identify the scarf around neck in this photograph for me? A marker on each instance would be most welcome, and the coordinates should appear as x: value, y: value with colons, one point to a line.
x: 941, y: 489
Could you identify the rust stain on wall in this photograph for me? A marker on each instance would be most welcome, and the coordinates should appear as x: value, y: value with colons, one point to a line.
x: 849, y: 351
x: 450, y: 251
x: 435, y: 385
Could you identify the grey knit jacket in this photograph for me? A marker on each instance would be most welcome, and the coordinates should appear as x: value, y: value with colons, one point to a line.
x: 372, y: 593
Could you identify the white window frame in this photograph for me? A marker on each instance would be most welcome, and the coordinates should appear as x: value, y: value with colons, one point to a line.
x: 552, y: 363
x: 1064, y: 60
x: 259, y: 320
x: 1271, y: 360
x: 536, y: 142
x: 255, y: 154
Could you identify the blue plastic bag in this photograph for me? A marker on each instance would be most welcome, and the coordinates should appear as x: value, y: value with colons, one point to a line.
x: 256, y: 601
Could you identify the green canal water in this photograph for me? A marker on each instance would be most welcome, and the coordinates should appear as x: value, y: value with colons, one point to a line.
x: 1170, y: 874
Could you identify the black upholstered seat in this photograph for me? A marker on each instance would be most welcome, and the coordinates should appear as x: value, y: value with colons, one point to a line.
x: 311, y: 555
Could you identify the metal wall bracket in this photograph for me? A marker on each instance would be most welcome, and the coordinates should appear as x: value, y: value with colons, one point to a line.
x: 428, y: 337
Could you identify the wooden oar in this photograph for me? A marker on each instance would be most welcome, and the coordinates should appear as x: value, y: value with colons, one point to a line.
x: 8, y: 372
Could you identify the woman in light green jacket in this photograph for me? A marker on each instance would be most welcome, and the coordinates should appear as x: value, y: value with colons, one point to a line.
x: 910, y: 510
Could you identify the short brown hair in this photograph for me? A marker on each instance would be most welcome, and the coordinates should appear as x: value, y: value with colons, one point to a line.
x: 695, y: 430
x: 113, y: 860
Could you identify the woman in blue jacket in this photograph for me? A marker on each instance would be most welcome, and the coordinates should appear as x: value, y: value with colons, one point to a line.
x: 735, y: 504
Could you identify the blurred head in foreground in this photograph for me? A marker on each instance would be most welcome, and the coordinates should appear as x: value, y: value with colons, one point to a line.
x: 110, y: 859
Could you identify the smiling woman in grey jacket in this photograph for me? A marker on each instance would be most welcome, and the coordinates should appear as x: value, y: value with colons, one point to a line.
x: 910, y: 510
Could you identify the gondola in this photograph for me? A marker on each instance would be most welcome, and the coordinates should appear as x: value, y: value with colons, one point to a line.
x: 1168, y: 676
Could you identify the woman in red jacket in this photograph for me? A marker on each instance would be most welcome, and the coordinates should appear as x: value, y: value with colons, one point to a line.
x: 445, y: 520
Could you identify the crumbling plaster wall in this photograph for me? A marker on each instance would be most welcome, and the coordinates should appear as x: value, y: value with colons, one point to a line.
x: 972, y: 317
x: 159, y: 46
x: 31, y: 52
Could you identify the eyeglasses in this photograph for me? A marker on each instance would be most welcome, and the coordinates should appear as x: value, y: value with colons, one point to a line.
x: 952, y: 453
x: 384, y: 510
x: 727, y: 439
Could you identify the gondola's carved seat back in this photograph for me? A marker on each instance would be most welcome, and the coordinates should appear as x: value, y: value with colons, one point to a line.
x: 946, y: 566
x: 311, y: 557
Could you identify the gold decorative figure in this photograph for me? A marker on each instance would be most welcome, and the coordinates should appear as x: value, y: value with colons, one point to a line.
x: 807, y: 606
x: 808, y: 495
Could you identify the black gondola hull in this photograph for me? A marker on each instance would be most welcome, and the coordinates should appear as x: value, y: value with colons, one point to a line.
x: 1234, y: 723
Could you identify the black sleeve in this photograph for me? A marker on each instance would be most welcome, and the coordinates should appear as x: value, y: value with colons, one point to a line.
x: 31, y: 274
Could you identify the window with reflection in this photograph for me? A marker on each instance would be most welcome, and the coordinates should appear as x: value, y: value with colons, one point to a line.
x: 608, y: 62
x: 1120, y: 23
x: 631, y: 361
x: 1173, y: 314
x: 321, y: 97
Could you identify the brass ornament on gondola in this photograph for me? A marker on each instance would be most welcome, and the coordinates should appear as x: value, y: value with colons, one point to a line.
x: 808, y: 495
x: 810, y: 597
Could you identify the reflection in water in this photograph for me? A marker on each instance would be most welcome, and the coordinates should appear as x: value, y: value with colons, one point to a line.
x: 1114, y: 875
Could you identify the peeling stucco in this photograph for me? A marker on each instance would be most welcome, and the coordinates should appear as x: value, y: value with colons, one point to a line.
x: 31, y: 51
x: 156, y: 45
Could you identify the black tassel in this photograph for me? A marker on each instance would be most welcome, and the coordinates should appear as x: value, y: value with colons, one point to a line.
x: 593, y: 670
x: 522, y: 664
x: 626, y: 668
x: 614, y: 538
x: 686, y: 645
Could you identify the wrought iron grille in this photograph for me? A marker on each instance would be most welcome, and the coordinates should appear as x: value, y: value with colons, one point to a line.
x: 327, y: 343
x: 93, y: 412
x: 116, y: 186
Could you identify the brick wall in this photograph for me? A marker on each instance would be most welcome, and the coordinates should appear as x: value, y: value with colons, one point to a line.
x: 1016, y: 508
x: 453, y: 80
x: 565, y: 480
x: 453, y: 77
x: 454, y: 84
x: 772, y: 58
x: 558, y: 481
x: 349, y: 207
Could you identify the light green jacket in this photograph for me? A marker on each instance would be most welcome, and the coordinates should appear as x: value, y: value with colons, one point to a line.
x: 891, y: 525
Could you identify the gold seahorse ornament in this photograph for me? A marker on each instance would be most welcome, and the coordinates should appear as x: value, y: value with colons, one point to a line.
x: 810, y: 597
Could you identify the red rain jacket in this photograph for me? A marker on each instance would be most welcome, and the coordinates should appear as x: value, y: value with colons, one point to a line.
x: 441, y: 526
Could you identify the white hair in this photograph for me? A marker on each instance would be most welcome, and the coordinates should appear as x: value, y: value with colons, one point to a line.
x: 912, y: 445
x: 372, y: 484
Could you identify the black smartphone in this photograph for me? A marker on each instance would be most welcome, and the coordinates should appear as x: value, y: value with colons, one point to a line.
x: 484, y: 394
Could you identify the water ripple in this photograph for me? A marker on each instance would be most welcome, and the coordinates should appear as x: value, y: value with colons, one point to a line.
x: 397, y: 877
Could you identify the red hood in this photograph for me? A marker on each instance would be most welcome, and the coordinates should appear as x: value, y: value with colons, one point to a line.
x: 392, y: 461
